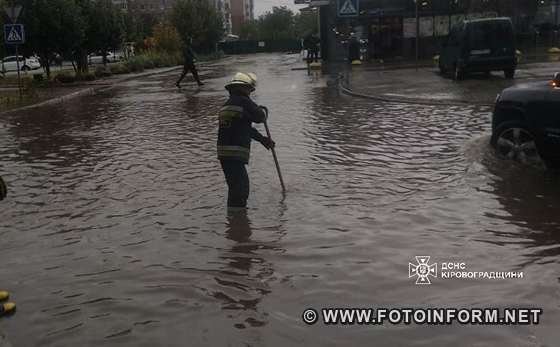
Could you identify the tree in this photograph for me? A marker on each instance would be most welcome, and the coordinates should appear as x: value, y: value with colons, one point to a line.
x: 166, y: 38
x: 278, y: 24
x: 105, y: 27
x: 306, y: 24
x: 199, y: 21
x: 249, y: 30
x: 52, y: 26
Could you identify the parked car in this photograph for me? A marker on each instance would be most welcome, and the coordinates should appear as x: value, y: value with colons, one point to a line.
x: 526, y: 123
x: 480, y: 45
x: 97, y: 58
x: 25, y: 64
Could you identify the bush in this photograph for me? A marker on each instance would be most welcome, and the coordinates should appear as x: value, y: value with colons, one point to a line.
x: 119, y: 68
x: 38, y: 78
x: 85, y: 76
x: 65, y: 78
x: 102, y: 71
x: 135, y: 63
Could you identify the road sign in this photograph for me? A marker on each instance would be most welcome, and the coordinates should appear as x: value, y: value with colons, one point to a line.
x: 348, y: 8
x: 14, y: 34
x: 13, y: 12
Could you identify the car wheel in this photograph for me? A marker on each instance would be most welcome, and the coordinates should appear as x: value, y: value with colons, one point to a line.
x: 458, y: 73
x: 514, y: 141
x: 509, y: 73
x: 25, y: 68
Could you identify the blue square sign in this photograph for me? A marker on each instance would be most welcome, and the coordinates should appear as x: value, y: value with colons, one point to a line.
x: 348, y: 8
x: 14, y: 34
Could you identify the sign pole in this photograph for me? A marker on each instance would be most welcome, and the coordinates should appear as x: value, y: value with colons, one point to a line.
x: 417, y: 36
x: 13, y: 12
x: 18, y: 74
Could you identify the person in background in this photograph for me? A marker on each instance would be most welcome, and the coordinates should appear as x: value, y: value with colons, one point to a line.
x: 189, y: 65
x: 353, y: 48
x: 315, y: 44
x: 235, y: 134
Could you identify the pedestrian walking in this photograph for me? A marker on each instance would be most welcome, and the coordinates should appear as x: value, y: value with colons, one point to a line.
x: 235, y: 135
x: 189, y: 65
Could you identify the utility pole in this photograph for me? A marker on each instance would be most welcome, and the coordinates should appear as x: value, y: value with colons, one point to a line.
x: 417, y: 35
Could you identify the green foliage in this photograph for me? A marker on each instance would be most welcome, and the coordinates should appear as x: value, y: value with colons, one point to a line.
x: 65, y: 77
x: 166, y: 38
x: 85, y: 76
x: 276, y: 25
x: 280, y: 24
x: 102, y: 71
x: 119, y: 68
x: 306, y: 24
x: 250, y: 30
x: 152, y: 59
x: 52, y: 26
x: 38, y: 78
x: 104, y: 25
x: 136, y: 63
x: 199, y: 21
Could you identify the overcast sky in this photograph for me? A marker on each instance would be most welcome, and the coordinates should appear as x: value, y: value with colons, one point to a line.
x: 261, y: 6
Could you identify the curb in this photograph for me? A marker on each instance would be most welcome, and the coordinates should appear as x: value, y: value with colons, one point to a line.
x: 348, y: 91
x: 88, y: 91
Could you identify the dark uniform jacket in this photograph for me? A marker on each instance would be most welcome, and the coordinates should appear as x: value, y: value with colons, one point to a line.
x: 236, y: 130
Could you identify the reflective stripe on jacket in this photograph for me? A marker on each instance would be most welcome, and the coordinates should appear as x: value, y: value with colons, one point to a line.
x: 236, y: 130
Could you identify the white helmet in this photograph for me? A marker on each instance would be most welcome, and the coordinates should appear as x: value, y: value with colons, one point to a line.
x: 243, y: 79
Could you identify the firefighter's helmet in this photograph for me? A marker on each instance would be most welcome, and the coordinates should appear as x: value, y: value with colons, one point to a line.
x: 243, y: 79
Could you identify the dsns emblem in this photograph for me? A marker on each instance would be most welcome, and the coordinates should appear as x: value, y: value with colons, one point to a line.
x: 422, y: 270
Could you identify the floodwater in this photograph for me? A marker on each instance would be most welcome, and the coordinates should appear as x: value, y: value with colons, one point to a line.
x: 115, y: 231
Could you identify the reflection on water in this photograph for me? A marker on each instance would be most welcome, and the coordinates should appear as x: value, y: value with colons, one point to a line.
x: 115, y: 232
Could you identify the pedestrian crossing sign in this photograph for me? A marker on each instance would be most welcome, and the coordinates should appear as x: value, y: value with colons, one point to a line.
x: 348, y: 8
x: 14, y: 34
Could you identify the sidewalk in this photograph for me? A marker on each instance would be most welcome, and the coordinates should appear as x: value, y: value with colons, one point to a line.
x: 66, y: 92
x: 425, y: 85
x: 63, y: 93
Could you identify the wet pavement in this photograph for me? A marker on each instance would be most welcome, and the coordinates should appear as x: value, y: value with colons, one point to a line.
x: 115, y: 231
x: 427, y: 85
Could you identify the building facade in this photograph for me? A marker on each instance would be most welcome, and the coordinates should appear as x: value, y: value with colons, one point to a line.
x: 390, y: 26
x: 241, y: 11
x: 160, y: 8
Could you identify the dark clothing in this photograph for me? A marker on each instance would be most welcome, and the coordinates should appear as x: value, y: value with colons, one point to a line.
x: 237, y: 181
x: 312, y: 45
x: 192, y: 69
x: 189, y: 56
x: 234, y: 143
x: 188, y: 65
x: 236, y: 130
x: 354, y: 50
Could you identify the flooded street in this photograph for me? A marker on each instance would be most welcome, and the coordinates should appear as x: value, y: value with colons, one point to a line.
x: 115, y: 229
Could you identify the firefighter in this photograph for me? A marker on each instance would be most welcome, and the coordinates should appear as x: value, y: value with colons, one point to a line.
x: 5, y: 307
x: 235, y: 135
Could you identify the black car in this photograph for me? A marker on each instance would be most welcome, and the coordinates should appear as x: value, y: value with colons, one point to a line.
x: 526, y: 123
x: 480, y: 45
